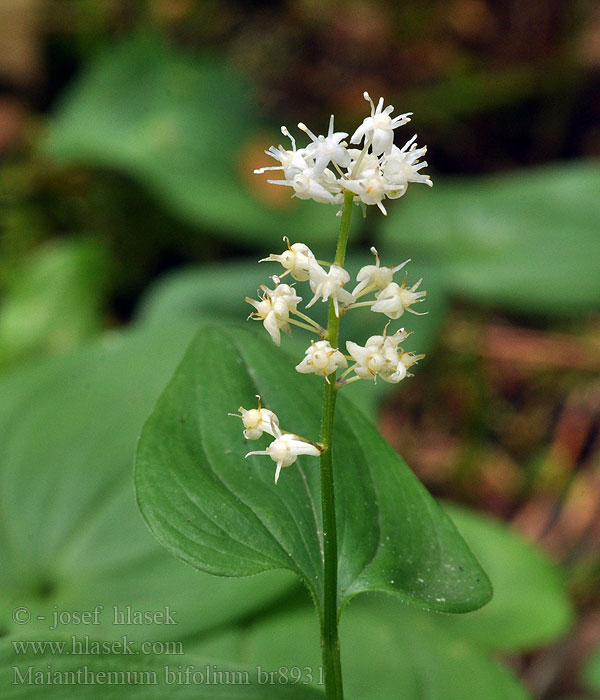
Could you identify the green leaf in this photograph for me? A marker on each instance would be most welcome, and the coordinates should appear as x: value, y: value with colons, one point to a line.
x: 53, y: 302
x: 404, y: 650
x: 223, y: 514
x: 530, y: 605
x: 180, y: 125
x: 122, y: 677
x: 389, y: 651
x: 70, y: 534
x: 528, y: 240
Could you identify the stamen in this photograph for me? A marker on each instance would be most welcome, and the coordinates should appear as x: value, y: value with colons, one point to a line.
x: 285, y: 132
x: 306, y: 130
x: 304, y: 325
x: 376, y: 254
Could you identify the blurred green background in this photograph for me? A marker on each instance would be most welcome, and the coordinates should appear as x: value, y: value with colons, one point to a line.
x: 129, y: 215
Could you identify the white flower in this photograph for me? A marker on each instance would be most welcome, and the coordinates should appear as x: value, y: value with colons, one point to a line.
x: 395, y: 299
x: 324, y: 189
x: 286, y: 448
x: 380, y: 357
x: 362, y: 165
x: 329, y: 285
x: 307, y: 187
x: 326, y: 149
x: 374, y: 276
x: 292, y: 162
x: 257, y: 421
x: 295, y: 260
x: 370, y: 190
x: 285, y: 294
x: 394, y: 340
x: 401, y: 165
x: 321, y: 358
x: 370, y: 359
x: 379, y: 127
x: 273, y: 309
x: 409, y: 359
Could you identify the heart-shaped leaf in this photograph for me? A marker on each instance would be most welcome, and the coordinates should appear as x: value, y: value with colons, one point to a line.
x: 71, y: 538
x: 405, y: 652
x: 223, y: 514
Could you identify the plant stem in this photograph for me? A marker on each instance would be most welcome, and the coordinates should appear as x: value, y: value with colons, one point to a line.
x: 330, y: 643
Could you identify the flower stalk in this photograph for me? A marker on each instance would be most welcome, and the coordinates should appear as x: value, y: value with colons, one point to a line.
x: 330, y: 643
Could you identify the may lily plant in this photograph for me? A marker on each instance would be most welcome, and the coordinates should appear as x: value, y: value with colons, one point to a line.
x: 376, y: 528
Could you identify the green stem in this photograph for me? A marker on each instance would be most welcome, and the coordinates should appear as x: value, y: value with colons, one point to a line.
x: 330, y: 643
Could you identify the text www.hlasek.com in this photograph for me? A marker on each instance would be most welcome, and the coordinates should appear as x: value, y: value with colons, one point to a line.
x: 80, y: 646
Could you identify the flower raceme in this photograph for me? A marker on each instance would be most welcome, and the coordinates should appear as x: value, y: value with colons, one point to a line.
x: 330, y: 171
x: 378, y: 171
x: 275, y: 306
x: 381, y: 355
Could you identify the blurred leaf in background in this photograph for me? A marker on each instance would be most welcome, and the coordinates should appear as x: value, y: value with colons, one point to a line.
x: 71, y: 537
x: 592, y: 672
x: 528, y: 240
x: 184, y: 126
x: 53, y: 299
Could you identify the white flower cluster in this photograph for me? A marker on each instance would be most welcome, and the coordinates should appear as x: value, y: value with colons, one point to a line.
x: 380, y: 356
x: 327, y: 167
x: 324, y: 171
x: 285, y: 448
